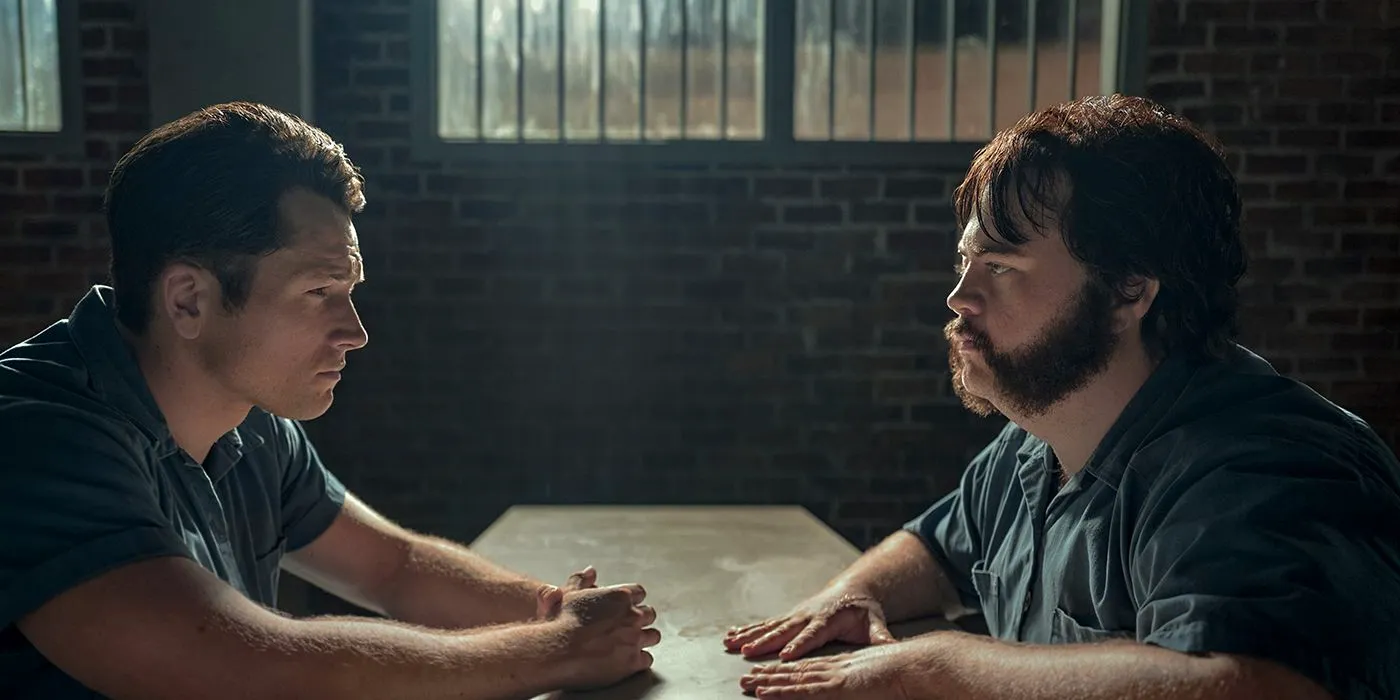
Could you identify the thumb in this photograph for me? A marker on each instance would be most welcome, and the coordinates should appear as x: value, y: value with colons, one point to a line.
x: 879, y: 633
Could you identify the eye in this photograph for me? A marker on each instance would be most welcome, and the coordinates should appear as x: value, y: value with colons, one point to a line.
x: 320, y: 292
x: 997, y: 268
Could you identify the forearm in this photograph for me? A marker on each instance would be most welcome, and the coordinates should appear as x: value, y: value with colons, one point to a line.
x: 968, y: 667
x: 902, y: 575
x: 445, y: 585
x: 357, y: 658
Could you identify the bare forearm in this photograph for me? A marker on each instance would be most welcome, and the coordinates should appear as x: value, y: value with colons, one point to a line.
x: 353, y: 658
x: 902, y: 575
x: 442, y: 584
x: 969, y: 667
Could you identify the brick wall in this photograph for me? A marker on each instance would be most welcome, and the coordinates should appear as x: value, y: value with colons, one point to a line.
x: 741, y: 331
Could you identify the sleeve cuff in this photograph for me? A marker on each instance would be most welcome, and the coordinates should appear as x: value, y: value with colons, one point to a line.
x: 31, y: 589
x: 319, y: 517
x: 966, y: 595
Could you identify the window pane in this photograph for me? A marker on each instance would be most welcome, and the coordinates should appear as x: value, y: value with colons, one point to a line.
x: 702, y: 68
x: 852, y: 69
x: 892, y: 62
x: 501, y: 66
x: 457, y: 116
x: 1052, y: 56
x: 745, y: 60
x: 663, y: 94
x: 542, y: 69
x: 812, y: 70
x: 931, y: 73
x: 1012, y: 63
x: 29, y: 83
x: 623, y: 84
x: 1086, y: 77
x: 581, y: 24
x: 973, y: 71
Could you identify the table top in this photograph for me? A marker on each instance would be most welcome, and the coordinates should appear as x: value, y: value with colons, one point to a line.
x: 705, y: 569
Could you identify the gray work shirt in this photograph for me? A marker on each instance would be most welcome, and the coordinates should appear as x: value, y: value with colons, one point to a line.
x: 91, y: 480
x: 1228, y: 509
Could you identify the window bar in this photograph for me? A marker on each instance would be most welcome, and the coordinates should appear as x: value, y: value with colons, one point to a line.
x: 603, y: 70
x: 642, y: 75
x: 685, y: 64
x: 480, y: 72
x: 519, y: 70
x: 562, y: 85
x: 1031, y: 69
x: 950, y: 18
x: 991, y: 68
x: 1072, y: 49
x: 912, y: 37
x: 831, y: 71
x: 23, y: 69
x: 870, y: 8
x: 724, y: 70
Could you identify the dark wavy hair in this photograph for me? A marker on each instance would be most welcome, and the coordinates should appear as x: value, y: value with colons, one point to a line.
x: 1138, y: 192
x: 204, y: 189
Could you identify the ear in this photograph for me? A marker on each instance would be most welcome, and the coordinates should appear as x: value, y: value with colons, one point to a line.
x: 186, y: 295
x: 1145, y: 289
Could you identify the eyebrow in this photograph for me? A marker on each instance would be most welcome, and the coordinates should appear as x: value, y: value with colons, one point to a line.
x: 339, y: 272
x: 988, y: 247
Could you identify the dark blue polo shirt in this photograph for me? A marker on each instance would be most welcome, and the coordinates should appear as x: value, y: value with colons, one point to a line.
x: 91, y: 480
x: 1228, y: 509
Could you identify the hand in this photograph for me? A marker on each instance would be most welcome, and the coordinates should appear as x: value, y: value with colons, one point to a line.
x: 606, y: 632
x: 550, y: 599
x: 877, y: 672
x: 833, y: 615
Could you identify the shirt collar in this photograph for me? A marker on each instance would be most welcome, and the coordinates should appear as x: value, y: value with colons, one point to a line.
x: 117, y: 379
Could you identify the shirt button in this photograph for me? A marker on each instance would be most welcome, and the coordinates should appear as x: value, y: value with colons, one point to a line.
x: 1026, y: 605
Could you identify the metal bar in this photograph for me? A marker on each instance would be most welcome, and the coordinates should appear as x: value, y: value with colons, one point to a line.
x: 685, y: 64
x: 603, y: 70
x: 563, y: 87
x: 831, y: 70
x: 480, y: 72
x: 1072, y: 47
x: 991, y: 68
x: 519, y: 70
x: 642, y: 74
x: 779, y: 39
x: 912, y: 37
x: 1032, y: 69
x: 724, y: 70
x: 23, y: 69
x: 870, y: 8
x: 950, y: 42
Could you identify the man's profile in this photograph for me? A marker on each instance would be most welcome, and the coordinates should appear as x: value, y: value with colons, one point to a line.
x: 156, y: 479
x: 1163, y: 515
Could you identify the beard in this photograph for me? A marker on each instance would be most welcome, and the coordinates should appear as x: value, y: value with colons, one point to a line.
x: 1072, y: 349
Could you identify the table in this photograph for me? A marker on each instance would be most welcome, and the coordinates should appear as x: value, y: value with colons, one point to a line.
x: 705, y: 569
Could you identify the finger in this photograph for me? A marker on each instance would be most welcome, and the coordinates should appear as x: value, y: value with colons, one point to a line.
x: 548, y: 602
x: 635, y: 590
x: 750, y: 633
x: 822, y: 690
x: 645, y: 660
x: 745, y: 628
x: 788, y: 677
x: 879, y: 633
x: 650, y: 637
x: 775, y: 638
x: 815, y: 636
x: 580, y: 580
x: 645, y: 615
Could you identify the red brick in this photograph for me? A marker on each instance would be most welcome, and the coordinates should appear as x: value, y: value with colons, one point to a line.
x: 1371, y: 242
x: 783, y: 187
x: 1339, y: 215
x: 1373, y: 138
x: 849, y: 188
x: 1345, y: 164
x: 17, y: 204
x: 1242, y: 35
x: 52, y: 178
x: 1215, y: 63
x: 9, y: 177
x: 1287, y: 10
x: 25, y: 254
x: 1383, y: 265
x: 1306, y: 190
x: 1346, y: 113
x: 1373, y: 189
x: 1382, y: 318
x: 1309, y: 138
x: 1203, y: 11
x: 1371, y: 291
x: 1309, y: 88
x: 1350, y: 62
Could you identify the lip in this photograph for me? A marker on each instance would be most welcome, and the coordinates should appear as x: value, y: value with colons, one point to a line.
x: 332, y: 374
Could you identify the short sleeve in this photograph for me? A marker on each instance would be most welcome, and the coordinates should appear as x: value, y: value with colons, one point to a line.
x: 1288, y: 560
x: 311, y: 495
x: 76, y: 501
x: 950, y: 527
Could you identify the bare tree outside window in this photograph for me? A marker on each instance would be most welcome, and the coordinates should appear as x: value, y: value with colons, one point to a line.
x: 29, y: 67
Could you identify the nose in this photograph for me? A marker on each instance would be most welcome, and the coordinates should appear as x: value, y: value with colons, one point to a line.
x: 352, y: 334
x: 965, y: 300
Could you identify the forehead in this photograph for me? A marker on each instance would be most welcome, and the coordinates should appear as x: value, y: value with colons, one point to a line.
x: 320, y: 237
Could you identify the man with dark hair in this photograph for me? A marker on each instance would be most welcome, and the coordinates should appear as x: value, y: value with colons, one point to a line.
x: 1163, y: 516
x: 156, y: 478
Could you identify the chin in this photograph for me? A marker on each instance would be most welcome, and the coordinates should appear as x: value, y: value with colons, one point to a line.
x: 305, y: 409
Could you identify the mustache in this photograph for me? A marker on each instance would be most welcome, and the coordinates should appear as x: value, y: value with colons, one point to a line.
x: 961, y: 328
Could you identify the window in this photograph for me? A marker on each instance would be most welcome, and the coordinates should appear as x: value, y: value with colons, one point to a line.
x: 36, y: 68
x: 802, y: 73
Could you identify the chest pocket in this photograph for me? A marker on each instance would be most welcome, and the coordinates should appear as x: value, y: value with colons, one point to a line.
x: 1066, y: 630
x: 989, y: 593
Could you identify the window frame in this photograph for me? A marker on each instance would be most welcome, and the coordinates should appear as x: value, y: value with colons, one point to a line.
x: 778, y: 143
x: 68, y: 140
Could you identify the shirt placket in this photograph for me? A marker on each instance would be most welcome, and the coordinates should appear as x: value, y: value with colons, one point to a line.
x: 203, y: 489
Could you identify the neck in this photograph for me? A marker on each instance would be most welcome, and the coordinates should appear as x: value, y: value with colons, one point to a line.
x: 195, y: 406
x: 1075, y: 426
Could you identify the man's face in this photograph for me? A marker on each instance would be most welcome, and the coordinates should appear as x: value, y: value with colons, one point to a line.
x: 1031, y: 327
x: 284, y: 349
